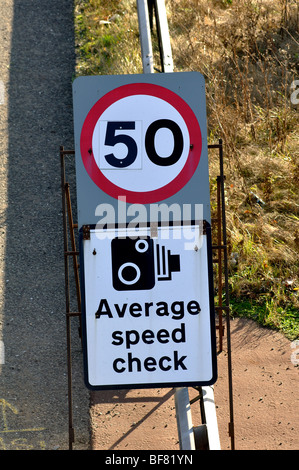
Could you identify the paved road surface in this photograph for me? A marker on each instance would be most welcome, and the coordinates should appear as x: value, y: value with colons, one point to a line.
x: 36, y: 66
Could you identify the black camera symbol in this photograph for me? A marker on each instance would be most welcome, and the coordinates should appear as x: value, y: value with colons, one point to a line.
x: 134, y: 260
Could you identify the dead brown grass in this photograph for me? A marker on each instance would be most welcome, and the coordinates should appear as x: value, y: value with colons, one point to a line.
x: 248, y: 52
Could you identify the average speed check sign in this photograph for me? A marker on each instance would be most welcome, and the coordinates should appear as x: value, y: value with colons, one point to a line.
x: 140, y: 138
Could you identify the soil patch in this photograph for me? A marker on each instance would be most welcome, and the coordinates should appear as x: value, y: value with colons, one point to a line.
x: 265, y: 385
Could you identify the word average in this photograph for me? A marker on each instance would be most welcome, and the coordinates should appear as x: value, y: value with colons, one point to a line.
x: 176, y: 310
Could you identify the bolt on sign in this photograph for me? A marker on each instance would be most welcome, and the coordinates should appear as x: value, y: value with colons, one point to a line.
x: 144, y: 222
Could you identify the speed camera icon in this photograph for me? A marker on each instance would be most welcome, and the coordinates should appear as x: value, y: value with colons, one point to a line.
x: 138, y: 263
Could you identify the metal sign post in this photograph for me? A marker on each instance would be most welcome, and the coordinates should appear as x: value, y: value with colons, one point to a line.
x: 141, y: 148
x: 145, y: 36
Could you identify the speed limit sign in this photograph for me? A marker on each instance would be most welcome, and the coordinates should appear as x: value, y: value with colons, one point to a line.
x: 141, y: 138
x: 141, y: 141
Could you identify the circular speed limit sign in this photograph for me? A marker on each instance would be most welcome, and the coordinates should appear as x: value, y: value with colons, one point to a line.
x: 141, y: 141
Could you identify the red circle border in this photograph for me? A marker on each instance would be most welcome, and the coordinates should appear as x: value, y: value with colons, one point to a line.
x: 170, y: 188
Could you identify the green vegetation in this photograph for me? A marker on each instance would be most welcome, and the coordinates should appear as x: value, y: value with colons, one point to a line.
x: 107, y: 37
x: 248, y: 52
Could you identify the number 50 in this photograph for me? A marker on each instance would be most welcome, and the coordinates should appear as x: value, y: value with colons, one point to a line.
x: 111, y: 139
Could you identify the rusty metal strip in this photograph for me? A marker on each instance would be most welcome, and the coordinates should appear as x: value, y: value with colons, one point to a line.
x: 68, y: 217
x: 226, y: 288
x: 221, y: 260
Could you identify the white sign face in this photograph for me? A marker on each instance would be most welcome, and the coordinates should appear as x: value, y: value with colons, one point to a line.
x: 125, y: 144
x: 147, y: 312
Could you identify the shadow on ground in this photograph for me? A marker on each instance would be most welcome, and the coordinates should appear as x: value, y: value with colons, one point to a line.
x: 34, y: 377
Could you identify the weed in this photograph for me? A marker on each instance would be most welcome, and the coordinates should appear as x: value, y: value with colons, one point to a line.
x: 107, y: 37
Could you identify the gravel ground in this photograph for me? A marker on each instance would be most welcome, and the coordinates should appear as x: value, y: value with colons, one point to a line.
x: 37, y: 61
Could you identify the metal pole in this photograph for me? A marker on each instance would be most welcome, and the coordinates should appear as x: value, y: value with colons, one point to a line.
x: 219, y: 263
x: 145, y: 37
x: 210, y: 418
x: 164, y: 37
x: 184, y: 419
x: 229, y: 360
x: 67, y: 300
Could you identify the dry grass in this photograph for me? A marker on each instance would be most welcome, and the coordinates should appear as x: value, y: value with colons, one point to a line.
x: 248, y: 51
x: 107, y: 37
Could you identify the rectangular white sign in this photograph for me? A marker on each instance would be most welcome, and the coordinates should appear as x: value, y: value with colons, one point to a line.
x: 148, y: 311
